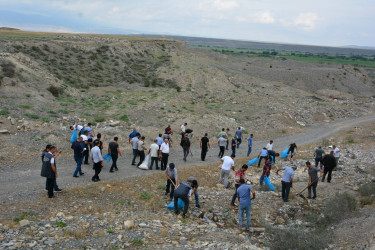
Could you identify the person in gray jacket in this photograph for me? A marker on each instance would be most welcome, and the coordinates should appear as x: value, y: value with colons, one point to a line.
x: 184, y: 191
x: 97, y: 159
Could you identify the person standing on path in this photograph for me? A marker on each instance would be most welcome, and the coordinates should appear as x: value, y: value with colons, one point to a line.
x: 244, y: 199
x: 204, y: 145
x: 172, y: 180
x: 154, y: 154
x: 240, y: 174
x: 192, y: 179
x: 141, y: 150
x: 222, y: 142
x: 329, y: 163
x: 270, y: 145
x: 134, y: 141
x: 318, y: 154
x: 234, y: 143
x: 185, y: 144
x: 313, y: 178
x: 97, y: 159
x: 79, y: 148
x: 114, y: 151
x: 133, y: 134
x: 164, y: 154
x: 249, y: 144
x: 228, y: 164
x: 49, y: 170
x: 286, y: 181
x: 239, y: 136
x: 336, y: 154
x: 262, y: 155
x: 56, y: 188
x: 266, y: 170
x: 227, y: 137
x: 292, y: 148
x: 87, y: 143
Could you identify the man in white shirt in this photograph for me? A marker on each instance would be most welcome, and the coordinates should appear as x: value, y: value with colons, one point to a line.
x: 270, y: 145
x: 228, y: 164
x: 183, y: 129
x: 336, y: 154
x: 76, y: 127
x: 164, y: 154
x: 97, y: 159
x: 154, y: 153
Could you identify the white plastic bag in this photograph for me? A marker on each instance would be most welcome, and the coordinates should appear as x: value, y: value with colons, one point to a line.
x: 144, y: 164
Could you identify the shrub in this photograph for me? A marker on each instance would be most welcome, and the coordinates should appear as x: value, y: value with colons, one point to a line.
x: 124, y: 118
x: 55, y: 91
x: 98, y: 118
x: 367, y: 189
x: 145, y: 196
x: 367, y: 200
x: 4, y: 112
x: 25, y: 106
x: 161, y: 186
x: 32, y: 116
x: 60, y: 224
x: 339, y: 207
x: 8, y: 68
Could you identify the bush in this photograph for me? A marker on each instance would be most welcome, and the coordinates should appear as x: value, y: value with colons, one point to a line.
x: 367, y: 200
x: 4, y: 112
x: 161, y: 186
x: 98, y: 118
x: 339, y: 207
x: 124, y: 118
x: 145, y: 196
x: 137, y: 242
x: 367, y: 189
x: 25, y: 106
x: 55, y: 91
x: 32, y: 116
x: 8, y: 68
x: 60, y: 224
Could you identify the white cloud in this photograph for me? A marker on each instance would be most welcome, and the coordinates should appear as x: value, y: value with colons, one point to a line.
x: 224, y: 4
x: 306, y: 20
x: 264, y: 17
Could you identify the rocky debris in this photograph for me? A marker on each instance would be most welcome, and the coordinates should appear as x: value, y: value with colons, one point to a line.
x: 4, y: 131
x: 24, y: 223
x: 129, y: 224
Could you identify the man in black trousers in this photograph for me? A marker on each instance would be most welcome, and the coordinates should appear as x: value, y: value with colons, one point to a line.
x: 329, y: 163
x: 205, y: 145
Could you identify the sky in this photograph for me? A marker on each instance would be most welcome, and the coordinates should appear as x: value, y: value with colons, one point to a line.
x: 312, y: 22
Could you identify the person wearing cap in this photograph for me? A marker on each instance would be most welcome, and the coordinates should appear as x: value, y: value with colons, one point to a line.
x: 97, y: 159
x: 172, y: 179
x: 329, y: 163
x: 228, y: 164
x: 313, y: 178
x: 244, y: 199
x: 79, y: 149
x: 184, y: 191
x: 286, y: 181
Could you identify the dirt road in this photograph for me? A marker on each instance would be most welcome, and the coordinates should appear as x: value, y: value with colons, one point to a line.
x: 24, y: 181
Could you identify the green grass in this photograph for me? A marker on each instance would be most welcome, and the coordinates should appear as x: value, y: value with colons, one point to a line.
x: 4, y: 112
x: 24, y: 106
x: 161, y: 186
x: 24, y: 215
x: 137, y: 242
x: 60, y: 224
x: 63, y: 111
x: 46, y: 120
x: 99, y: 118
x: 145, y: 196
x: 110, y: 231
x: 32, y: 116
x: 124, y: 118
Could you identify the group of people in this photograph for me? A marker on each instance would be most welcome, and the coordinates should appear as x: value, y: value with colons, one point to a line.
x: 89, y: 147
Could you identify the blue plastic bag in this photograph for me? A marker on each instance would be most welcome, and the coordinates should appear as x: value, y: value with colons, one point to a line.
x: 107, y: 157
x: 253, y: 161
x: 74, y: 136
x: 180, y: 205
x: 284, y: 154
x: 268, y: 183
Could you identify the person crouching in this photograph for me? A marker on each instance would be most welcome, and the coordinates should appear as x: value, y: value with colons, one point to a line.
x: 184, y: 191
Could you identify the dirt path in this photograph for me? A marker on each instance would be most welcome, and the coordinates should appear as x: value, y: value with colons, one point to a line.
x: 24, y: 181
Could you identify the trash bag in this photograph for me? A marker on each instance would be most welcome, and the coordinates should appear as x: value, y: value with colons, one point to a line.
x: 253, y: 161
x: 144, y: 164
x: 107, y: 157
x: 180, y: 205
x: 268, y: 183
x: 284, y: 154
x: 74, y: 136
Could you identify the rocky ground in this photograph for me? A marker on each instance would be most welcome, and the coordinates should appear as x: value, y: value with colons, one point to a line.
x: 131, y: 213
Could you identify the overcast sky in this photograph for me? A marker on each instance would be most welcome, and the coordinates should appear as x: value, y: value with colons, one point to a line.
x: 316, y: 22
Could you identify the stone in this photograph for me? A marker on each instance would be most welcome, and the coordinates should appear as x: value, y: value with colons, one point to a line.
x: 24, y: 223
x: 129, y: 224
x: 273, y: 193
x: 102, y: 189
x: 219, y: 185
x: 257, y: 229
x: 355, y: 188
x: 280, y: 220
x: 4, y: 131
x: 115, y: 124
x: 12, y: 121
x: 60, y: 214
x: 142, y: 224
x: 50, y: 242
x: 69, y: 218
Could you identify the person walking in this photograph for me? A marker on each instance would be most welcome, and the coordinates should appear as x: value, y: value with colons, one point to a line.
x: 79, y: 148
x: 134, y: 141
x: 192, y: 179
x: 154, y: 154
x: 87, y: 143
x: 204, y: 145
x: 329, y: 163
x: 266, y: 170
x: 184, y: 191
x: 114, y: 151
x: 286, y: 181
x: 234, y: 143
x: 172, y: 179
x: 228, y: 164
x: 313, y: 178
x: 240, y: 174
x: 99, y: 139
x: 239, y: 136
x: 318, y: 154
x: 244, y: 199
x: 222, y: 142
x: 292, y: 150
x: 263, y: 154
x: 141, y: 150
x: 185, y: 144
x: 164, y: 154
x: 270, y: 145
x: 49, y: 170
x: 249, y: 144
x: 90, y: 136
x: 227, y: 137
x: 97, y: 159
x: 336, y: 154
x: 160, y: 140
x: 222, y: 133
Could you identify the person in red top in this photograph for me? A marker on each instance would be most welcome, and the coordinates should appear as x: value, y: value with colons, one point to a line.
x: 240, y: 174
x: 266, y: 170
